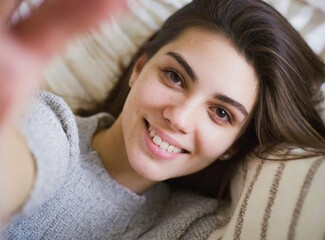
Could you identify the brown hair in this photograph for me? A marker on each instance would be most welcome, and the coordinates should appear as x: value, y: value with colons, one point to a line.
x: 289, y: 75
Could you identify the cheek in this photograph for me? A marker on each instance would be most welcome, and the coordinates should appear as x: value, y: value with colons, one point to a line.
x: 148, y: 91
x: 212, y: 144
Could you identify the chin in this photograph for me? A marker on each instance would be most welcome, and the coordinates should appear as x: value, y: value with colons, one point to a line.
x: 150, y: 173
x: 153, y: 176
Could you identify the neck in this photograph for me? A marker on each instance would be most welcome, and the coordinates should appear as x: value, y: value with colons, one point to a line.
x: 110, y: 146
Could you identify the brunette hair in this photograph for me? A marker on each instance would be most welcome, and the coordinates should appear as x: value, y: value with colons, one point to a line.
x: 289, y: 78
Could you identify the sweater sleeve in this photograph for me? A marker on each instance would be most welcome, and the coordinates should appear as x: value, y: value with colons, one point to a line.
x: 50, y: 130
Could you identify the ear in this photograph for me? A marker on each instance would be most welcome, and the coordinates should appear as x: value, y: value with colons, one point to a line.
x: 137, y: 68
x: 228, y: 154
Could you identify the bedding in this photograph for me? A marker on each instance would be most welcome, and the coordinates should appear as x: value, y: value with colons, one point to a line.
x: 87, y: 70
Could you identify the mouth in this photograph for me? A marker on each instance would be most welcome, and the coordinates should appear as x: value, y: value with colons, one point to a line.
x: 163, y: 144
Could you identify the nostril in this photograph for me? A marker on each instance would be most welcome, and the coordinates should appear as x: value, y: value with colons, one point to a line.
x: 177, y: 118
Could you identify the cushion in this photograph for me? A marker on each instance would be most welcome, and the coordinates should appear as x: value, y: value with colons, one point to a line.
x: 277, y: 200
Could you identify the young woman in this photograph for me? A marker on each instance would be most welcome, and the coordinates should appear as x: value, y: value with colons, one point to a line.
x: 220, y: 80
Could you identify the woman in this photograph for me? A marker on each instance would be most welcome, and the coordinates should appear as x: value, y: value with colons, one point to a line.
x: 285, y: 86
x: 220, y: 80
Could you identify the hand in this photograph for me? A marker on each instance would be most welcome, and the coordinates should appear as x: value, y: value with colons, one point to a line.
x: 25, y: 48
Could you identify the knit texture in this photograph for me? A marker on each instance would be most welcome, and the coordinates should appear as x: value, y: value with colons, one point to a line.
x: 74, y: 197
x: 186, y: 216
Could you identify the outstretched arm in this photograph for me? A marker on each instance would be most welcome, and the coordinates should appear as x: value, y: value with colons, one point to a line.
x: 24, y: 51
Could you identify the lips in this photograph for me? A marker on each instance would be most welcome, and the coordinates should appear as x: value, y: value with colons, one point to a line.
x: 162, y: 143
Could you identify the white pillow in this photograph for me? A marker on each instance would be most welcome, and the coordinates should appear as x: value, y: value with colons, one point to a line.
x: 308, y: 17
x: 87, y: 70
x: 91, y: 64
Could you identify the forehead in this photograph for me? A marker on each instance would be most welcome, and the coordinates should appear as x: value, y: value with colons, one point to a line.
x: 217, y: 64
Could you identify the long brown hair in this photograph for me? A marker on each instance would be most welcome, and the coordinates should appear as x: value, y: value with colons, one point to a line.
x: 289, y: 76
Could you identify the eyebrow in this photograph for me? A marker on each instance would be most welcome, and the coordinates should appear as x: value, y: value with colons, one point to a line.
x: 188, y: 69
x: 233, y: 103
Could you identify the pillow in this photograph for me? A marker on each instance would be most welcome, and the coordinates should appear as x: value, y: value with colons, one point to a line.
x: 277, y: 200
x: 308, y: 17
x: 84, y: 74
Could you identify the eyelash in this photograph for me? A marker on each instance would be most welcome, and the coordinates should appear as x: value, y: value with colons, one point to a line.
x: 170, y: 72
x: 214, y: 115
x: 212, y: 111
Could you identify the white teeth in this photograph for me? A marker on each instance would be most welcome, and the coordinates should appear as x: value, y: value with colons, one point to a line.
x: 177, y: 150
x: 157, y: 140
x: 163, y: 145
x: 152, y: 133
x: 170, y: 148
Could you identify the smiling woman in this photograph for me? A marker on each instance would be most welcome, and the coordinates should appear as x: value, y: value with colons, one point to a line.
x: 183, y: 110
x: 189, y: 106
x: 221, y: 79
x: 281, y: 109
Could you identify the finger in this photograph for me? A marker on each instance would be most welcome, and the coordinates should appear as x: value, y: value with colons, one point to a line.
x: 7, y: 7
x: 56, y: 21
x: 19, y: 75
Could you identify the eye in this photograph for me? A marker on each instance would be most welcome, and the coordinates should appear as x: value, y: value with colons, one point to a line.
x: 174, y: 77
x: 220, y: 115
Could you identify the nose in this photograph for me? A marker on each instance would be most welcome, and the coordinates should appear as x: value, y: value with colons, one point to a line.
x: 181, y: 116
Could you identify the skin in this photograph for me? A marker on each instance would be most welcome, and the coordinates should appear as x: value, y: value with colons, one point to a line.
x: 184, y: 105
x: 7, y: 7
x: 25, y: 49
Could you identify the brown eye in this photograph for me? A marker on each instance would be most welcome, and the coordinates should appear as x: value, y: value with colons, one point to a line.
x: 220, y: 115
x: 174, y: 77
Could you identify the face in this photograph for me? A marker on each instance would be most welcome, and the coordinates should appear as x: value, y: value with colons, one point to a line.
x: 186, y: 106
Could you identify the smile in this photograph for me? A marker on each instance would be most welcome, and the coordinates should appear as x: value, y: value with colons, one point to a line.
x: 162, y: 144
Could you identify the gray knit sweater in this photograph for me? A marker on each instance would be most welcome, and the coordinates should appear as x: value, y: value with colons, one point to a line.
x: 75, y: 198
